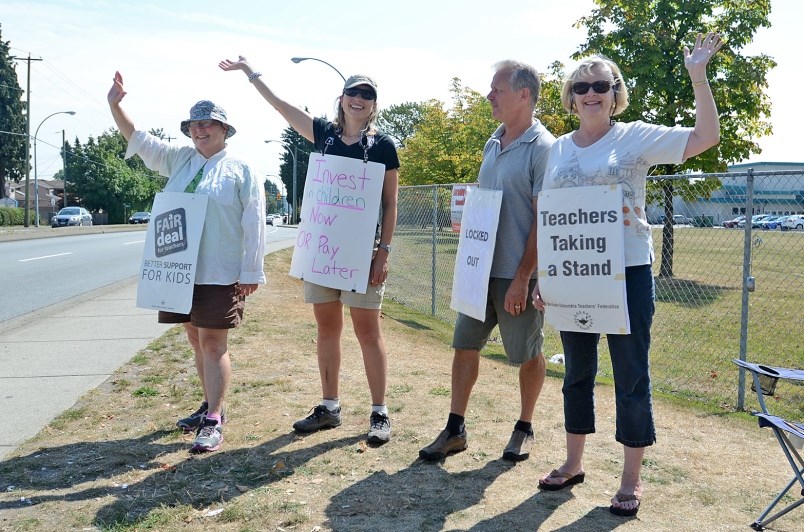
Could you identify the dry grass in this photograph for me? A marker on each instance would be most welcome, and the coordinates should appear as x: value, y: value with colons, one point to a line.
x: 114, y: 461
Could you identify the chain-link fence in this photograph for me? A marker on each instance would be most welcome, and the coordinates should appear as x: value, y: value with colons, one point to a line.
x: 729, y: 275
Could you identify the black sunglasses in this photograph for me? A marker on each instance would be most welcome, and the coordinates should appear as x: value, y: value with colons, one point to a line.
x: 366, y: 94
x: 600, y: 87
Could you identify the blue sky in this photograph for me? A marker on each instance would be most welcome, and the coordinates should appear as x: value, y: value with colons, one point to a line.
x: 168, y: 54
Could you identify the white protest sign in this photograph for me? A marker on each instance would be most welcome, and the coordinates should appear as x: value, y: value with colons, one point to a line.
x: 582, y: 259
x: 169, y: 260
x: 338, y: 221
x: 470, y: 282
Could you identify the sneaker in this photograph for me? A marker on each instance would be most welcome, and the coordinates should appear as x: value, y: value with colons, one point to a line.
x: 379, y: 429
x: 209, y: 437
x: 193, y: 421
x: 518, y: 448
x: 443, y: 445
x: 319, y: 418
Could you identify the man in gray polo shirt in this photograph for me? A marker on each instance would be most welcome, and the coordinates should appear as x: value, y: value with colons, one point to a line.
x: 514, y: 161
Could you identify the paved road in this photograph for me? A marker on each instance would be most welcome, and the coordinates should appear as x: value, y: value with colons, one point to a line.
x: 51, y: 357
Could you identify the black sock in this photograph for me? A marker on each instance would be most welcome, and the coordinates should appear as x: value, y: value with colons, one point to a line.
x: 524, y: 426
x: 455, y: 423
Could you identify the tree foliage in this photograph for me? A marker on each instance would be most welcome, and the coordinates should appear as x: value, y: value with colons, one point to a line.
x: 12, y: 121
x: 302, y: 148
x: 99, y: 178
x: 646, y: 38
x: 549, y: 109
x: 401, y: 120
x: 447, y: 145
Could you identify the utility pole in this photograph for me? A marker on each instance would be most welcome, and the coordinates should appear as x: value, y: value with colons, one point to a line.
x: 27, y: 138
x: 64, y: 162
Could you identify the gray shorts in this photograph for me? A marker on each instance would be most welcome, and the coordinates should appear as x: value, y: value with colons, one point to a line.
x: 372, y: 299
x: 522, y: 335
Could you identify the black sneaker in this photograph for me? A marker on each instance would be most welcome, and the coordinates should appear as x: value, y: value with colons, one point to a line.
x: 379, y: 429
x: 193, y: 421
x: 319, y: 418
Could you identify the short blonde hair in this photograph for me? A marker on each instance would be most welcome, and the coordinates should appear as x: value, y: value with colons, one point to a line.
x: 597, y: 63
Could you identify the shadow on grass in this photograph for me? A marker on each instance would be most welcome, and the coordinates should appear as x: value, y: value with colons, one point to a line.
x: 198, y: 481
x: 533, y: 512
x: 419, y: 497
x: 687, y: 293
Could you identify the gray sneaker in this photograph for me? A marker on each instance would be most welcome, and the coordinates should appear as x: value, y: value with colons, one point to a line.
x: 443, y: 445
x: 319, y: 418
x: 518, y: 448
x: 208, y: 438
x: 194, y: 420
x: 379, y: 429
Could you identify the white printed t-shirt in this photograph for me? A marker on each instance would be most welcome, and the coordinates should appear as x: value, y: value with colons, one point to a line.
x: 622, y: 156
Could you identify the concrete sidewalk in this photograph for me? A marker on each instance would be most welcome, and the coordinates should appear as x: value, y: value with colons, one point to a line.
x: 52, y: 358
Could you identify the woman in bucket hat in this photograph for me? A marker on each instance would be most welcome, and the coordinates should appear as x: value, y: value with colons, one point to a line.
x: 230, y: 256
x: 352, y: 134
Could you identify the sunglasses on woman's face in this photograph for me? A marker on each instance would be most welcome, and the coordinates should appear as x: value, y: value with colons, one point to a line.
x: 366, y: 94
x: 600, y: 87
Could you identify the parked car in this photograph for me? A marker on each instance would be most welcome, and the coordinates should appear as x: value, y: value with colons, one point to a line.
x: 776, y: 223
x: 795, y: 221
x: 71, y: 216
x: 767, y: 223
x: 140, y: 218
x: 733, y: 222
x: 680, y: 219
x: 755, y: 219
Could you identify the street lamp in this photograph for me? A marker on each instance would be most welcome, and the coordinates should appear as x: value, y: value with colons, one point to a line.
x: 294, y: 216
x: 298, y: 60
x: 36, y: 175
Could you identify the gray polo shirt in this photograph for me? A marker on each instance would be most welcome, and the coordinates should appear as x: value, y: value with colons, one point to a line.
x: 518, y: 171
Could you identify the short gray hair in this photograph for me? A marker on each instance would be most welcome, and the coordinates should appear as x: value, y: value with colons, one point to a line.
x: 523, y: 76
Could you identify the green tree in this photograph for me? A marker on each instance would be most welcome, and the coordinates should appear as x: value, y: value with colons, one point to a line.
x: 645, y: 38
x: 549, y: 109
x: 447, y: 145
x: 12, y: 121
x: 101, y: 179
x: 401, y: 120
x: 302, y: 148
x: 272, y: 203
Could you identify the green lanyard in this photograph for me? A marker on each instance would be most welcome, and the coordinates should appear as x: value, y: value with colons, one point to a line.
x: 194, y: 183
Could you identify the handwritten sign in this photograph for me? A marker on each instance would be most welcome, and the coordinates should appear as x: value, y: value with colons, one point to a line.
x: 582, y: 259
x: 338, y: 222
x: 170, y: 256
x: 456, y: 205
x: 470, y: 282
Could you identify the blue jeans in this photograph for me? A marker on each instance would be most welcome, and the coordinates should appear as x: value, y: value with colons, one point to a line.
x: 629, y: 361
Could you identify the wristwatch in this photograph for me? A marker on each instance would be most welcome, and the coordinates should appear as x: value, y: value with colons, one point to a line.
x: 386, y: 247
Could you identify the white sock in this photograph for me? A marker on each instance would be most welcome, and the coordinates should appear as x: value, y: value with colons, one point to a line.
x: 382, y: 409
x: 331, y: 404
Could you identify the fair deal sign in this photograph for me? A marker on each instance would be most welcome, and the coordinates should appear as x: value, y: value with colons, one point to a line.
x: 169, y: 260
x: 338, y: 221
x: 582, y: 259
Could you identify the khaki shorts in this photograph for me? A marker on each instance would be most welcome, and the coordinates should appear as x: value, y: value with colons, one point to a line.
x: 372, y: 299
x: 214, y: 307
x: 522, y: 336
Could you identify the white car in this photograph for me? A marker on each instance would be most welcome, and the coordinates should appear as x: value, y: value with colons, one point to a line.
x: 796, y: 221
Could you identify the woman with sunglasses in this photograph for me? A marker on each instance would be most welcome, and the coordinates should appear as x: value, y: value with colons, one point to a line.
x: 351, y: 134
x: 602, y: 152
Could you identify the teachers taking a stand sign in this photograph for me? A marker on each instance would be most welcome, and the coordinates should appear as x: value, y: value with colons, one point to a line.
x: 338, y: 222
x: 581, y: 259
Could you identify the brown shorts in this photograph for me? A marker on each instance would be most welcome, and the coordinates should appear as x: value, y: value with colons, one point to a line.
x: 214, y: 307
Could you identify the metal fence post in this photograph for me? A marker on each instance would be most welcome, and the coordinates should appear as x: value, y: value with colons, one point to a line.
x: 433, y: 253
x: 749, y: 215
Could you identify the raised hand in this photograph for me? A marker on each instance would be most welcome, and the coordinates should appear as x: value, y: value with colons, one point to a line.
x: 705, y: 47
x: 117, y: 92
x: 228, y: 65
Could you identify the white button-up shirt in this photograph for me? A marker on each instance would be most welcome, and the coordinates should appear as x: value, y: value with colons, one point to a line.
x: 233, y: 239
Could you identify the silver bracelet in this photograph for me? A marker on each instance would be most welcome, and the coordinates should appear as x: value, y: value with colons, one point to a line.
x: 253, y: 76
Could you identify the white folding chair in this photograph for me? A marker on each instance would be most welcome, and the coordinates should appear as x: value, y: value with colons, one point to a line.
x: 788, y: 433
